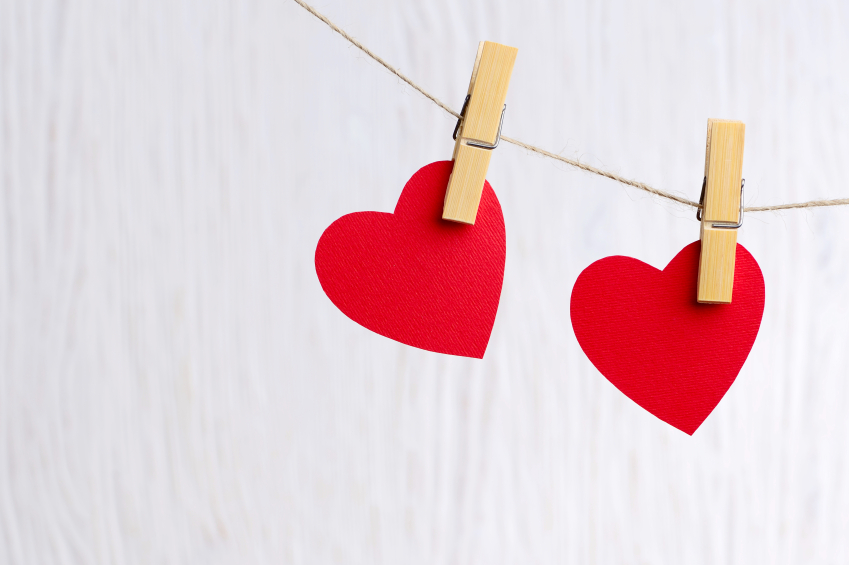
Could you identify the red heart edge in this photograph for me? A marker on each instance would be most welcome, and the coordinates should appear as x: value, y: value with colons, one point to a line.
x: 643, y: 329
x: 412, y: 276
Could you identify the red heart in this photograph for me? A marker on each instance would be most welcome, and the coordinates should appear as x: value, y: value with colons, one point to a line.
x: 644, y: 331
x: 412, y: 276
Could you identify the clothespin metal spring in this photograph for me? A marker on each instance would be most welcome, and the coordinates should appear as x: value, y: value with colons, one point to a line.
x: 722, y: 225
x: 475, y: 142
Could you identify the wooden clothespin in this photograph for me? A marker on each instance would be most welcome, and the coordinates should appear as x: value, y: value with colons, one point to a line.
x: 722, y: 209
x: 478, y: 130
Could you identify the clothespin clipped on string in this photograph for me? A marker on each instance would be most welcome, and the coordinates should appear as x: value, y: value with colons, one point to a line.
x: 478, y: 130
x: 722, y: 209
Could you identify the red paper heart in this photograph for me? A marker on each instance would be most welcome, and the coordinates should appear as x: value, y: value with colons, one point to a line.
x: 412, y: 276
x: 644, y: 331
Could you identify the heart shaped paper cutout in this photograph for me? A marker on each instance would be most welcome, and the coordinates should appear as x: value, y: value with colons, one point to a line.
x: 412, y: 276
x: 645, y: 332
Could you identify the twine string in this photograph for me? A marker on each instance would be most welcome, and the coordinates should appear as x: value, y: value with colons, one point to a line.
x: 538, y: 150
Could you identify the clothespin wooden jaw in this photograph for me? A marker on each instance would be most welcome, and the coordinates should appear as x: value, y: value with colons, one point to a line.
x: 479, y: 130
x: 722, y: 212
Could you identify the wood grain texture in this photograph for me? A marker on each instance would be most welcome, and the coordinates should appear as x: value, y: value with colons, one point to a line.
x: 723, y: 174
x: 175, y: 387
x: 716, y: 265
x: 466, y: 183
x: 487, y: 92
x: 723, y: 170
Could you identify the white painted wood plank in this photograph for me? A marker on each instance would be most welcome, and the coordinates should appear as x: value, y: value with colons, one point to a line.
x: 175, y: 388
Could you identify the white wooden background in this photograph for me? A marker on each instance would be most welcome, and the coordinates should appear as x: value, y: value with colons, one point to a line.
x: 176, y: 388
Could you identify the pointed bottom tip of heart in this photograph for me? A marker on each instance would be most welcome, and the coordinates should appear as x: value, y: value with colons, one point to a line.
x: 689, y: 430
x: 467, y: 354
x: 687, y: 427
x: 452, y: 353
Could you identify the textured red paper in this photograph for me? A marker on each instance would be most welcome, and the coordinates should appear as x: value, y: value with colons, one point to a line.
x: 645, y: 332
x: 412, y: 276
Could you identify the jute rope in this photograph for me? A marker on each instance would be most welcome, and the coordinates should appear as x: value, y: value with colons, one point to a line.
x: 543, y: 152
